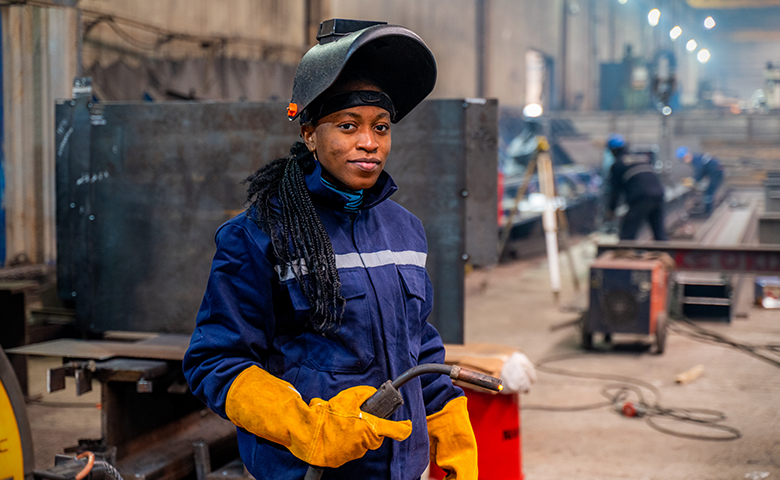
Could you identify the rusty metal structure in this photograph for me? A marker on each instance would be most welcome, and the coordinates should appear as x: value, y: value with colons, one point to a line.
x: 141, y: 188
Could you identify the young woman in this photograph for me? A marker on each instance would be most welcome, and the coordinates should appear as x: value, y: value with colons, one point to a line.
x: 318, y: 294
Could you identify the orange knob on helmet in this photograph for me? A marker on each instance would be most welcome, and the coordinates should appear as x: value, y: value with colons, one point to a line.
x: 292, y: 110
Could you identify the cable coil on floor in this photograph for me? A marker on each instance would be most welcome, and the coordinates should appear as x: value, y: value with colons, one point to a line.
x: 619, y: 396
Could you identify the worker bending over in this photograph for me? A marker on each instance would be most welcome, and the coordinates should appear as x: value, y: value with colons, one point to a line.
x: 635, y: 178
x: 704, y: 166
x: 318, y: 293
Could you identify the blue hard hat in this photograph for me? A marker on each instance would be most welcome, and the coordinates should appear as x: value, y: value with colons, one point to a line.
x: 615, y: 141
x: 682, y: 151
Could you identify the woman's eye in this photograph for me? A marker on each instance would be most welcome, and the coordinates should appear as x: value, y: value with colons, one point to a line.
x: 383, y: 128
x: 346, y: 126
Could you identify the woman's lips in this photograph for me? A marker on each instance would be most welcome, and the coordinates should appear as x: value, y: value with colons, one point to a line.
x: 366, y: 165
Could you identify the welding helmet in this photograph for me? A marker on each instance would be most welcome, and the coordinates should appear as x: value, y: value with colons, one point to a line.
x: 681, y: 152
x: 393, y: 57
x: 616, y: 141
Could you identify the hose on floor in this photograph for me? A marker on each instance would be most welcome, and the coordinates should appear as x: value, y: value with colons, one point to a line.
x: 691, y: 330
x: 94, y: 469
x: 628, y: 398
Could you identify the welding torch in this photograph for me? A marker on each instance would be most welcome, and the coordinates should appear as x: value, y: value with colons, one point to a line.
x: 386, y: 400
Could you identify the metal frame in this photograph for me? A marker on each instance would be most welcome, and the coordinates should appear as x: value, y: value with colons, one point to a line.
x: 751, y: 259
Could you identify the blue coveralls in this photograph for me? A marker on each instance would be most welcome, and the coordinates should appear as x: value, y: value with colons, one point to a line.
x: 705, y: 165
x: 636, y: 179
x: 251, y: 316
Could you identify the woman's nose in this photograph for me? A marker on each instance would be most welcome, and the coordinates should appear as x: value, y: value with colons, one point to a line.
x: 367, y: 140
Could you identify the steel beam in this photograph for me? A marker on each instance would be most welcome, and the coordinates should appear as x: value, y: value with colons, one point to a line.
x: 752, y: 259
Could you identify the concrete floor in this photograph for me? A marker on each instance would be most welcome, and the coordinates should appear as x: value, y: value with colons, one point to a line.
x: 512, y: 305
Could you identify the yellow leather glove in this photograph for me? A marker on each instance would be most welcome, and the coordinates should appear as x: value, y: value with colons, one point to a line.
x: 453, y: 445
x: 322, y: 433
x: 687, y: 182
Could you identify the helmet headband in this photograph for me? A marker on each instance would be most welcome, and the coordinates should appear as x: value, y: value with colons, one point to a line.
x: 344, y: 100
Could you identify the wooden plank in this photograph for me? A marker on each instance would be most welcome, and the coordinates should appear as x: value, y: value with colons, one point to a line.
x: 17, y: 286
x: 167, y: 453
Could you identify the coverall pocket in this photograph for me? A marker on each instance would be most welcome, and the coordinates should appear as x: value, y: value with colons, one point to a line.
x: 414, y: 281
x: 350, y: 348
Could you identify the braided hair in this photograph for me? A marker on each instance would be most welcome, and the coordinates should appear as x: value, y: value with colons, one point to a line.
x: 297, y: 234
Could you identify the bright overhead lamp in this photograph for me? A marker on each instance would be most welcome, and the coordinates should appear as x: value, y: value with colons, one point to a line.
x: 691, y: 45
x: 622, y: 2
x: 533, y: 110
x: 653, y: 17
x: 675, y: 32
x: 703, y: 55
x: 709, y: 23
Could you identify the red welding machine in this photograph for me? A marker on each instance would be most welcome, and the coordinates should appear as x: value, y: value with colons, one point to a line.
x: 628, y: 294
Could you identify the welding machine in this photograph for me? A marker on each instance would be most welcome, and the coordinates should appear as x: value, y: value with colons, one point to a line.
x: 628, y: 294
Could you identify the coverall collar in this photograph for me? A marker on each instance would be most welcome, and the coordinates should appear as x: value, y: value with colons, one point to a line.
x: 322, y: 195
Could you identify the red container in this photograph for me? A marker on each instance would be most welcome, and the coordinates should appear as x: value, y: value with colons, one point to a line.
x: 496, y: 422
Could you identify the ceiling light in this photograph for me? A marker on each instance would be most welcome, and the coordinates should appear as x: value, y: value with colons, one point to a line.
x: 653, y: 17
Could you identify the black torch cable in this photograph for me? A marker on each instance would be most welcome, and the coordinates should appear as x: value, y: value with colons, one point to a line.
x: 617, y: 394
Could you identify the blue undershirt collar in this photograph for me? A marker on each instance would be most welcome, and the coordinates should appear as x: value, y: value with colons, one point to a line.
x: 354, y: 197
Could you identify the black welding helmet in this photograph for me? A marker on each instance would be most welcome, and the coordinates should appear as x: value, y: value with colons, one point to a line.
x: 394, y: 57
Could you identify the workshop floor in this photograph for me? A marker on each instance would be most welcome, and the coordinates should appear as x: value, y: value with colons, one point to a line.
x: 512, y: 305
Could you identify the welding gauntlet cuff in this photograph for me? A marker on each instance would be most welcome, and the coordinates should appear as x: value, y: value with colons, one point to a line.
x: 322, y: 433
x: 453, y: 445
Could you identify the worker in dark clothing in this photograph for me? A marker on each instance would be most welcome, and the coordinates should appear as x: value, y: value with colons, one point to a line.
x: 635, y: 178
x: 704, y: 165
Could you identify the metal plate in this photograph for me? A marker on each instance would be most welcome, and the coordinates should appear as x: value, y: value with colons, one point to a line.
x: 769, y: 228
x: 481, y: 135
x: 165, y: 347
x: 428, y: 163
x: 143, y: 187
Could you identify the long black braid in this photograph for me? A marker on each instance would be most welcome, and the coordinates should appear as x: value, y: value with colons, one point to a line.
x: 298, y: 235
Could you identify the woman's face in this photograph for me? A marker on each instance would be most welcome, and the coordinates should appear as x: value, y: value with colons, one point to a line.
x: 352, y: 145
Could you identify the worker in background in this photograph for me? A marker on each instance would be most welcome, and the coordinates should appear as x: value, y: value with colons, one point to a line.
x: 635, y: 178
x: 318, y: 293
x: 614, y: 141
x: 704, y: 166
x: 608, y: 159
